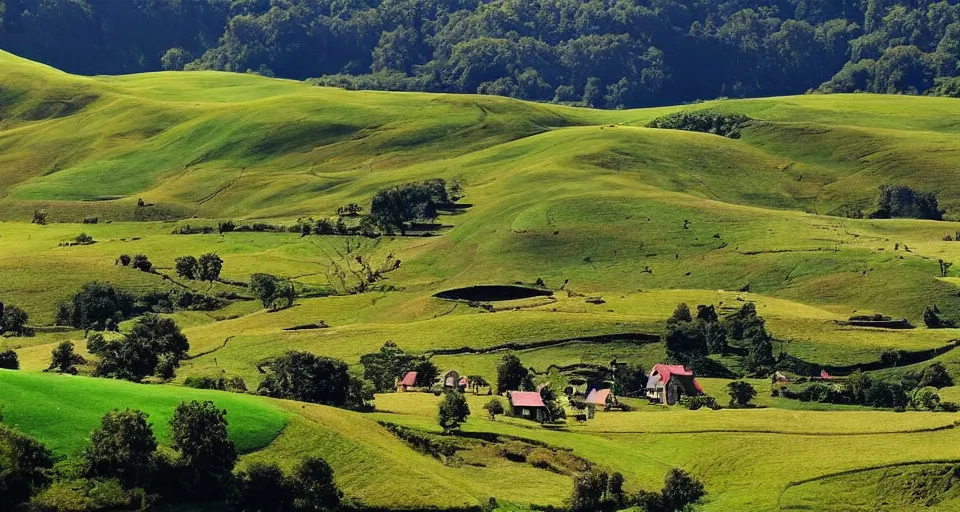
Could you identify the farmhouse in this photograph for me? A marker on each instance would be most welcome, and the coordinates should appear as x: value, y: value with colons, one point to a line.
x: 668, y: 383
x: 527, y: 404
x: 406, y: 383
x: 599, y: 398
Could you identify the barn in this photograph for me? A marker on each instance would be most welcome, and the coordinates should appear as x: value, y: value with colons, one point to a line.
x: 667, y: 384
x: 528, y: 405
x: 407, y: 382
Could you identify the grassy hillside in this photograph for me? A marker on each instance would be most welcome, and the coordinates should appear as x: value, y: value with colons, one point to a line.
x: 620, y: 221
x: 61, y: 410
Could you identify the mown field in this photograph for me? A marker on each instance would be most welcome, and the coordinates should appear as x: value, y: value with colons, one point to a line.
x: 622, y: 222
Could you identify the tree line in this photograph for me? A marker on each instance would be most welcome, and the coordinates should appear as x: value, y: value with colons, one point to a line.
x: 604, y: 54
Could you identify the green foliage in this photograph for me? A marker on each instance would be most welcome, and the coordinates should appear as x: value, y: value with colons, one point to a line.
x: 690, y: 339
x: 142, y: 263
x: 175, y: 59
x: 186, y: 267
x: 14, y: 320
x: 394, y: 207
x: 494, y: 407
x: 121, y: 447
x: 23, y: 466
x: 63, y: 359
x: 717, y: 123
x: 937, y: 376
x: 904, y: 202
x: 274, y: 293
x: 384, y: 367
x: 453, y: 411
x: 98, y: 305
x: 83, y: 239
x: 306, y: 377
x: 741, y: 393
x: 512, y: 375
x: 695, y: 403
x: 932, y: 319
x: 39, y: 217
x: 681, y: 489
x: 152, y: 341
x: 209, y: 266
x: 315, y: 486
x: 9, y: 360
x: 263, y: 488
x: 589, y: 490
x: 206, y: 453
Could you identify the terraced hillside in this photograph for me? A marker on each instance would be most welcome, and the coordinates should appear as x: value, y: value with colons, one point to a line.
x: 619, y: 221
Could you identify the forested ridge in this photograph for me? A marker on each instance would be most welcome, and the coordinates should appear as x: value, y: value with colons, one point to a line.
x: 602, y: 53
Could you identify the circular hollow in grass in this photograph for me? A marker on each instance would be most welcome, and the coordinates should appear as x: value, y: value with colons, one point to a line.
x: 493, y: 293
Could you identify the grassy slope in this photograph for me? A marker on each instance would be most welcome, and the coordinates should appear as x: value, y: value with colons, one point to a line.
x: 61, y: 410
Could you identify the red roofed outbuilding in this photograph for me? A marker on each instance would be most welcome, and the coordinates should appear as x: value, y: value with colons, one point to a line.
x: 599, y: 398
x: 407, y: 382
x: 668, y: 383
x: 527, y: 404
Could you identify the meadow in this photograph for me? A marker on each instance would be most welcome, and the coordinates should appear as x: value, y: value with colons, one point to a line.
x: 621, y: 222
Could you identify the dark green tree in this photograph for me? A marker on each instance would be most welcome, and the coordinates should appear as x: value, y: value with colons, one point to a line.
x: 306, y: 377
x: 511, y: 374
x: 316, y: 488
x: 24, y: 465
x: 453, y: 411
x: 741, y: 393
x: 206, y: 453
x: 121, y: 447
x: 9, y: 360
x: 186, y: 267
x: 63, y: 359
x: 263, y: 487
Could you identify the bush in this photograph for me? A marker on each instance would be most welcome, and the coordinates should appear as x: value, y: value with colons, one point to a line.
x: 392, y: 208
x: 124, y: 260
x: 39, y: 217
x: 706, y: 121
x: 494, y: 407
x: 937, y: 376
x: 695, y: 403
x: 83, y: 239
x: 142, y: 263
x: 9, y: 360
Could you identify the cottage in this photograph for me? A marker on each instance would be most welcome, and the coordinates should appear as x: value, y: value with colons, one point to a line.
x: 668, y: 383
x: 450, y: 380
x: 528, y: 405
x: 407, y: 382
x: 599, y: 398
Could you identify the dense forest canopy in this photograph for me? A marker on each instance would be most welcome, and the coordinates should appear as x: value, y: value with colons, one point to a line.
x: 603, y: 53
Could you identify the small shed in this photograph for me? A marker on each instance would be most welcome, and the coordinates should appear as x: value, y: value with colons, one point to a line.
x: 463, y: 384
x: 407, y: 382
x: 668, y: 383
x: 599, y: 398
x: 528, y: 405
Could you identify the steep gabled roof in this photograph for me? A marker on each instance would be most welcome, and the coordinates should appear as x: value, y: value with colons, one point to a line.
x: 598, y: 396
x: 666, y: 370
x: 526, y: 399
x: 409, y: 379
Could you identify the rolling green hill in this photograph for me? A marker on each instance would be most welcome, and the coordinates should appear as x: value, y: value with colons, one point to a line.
x: 620, y: 221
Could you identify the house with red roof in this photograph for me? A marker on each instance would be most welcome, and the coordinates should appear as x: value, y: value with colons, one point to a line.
x: 667, y: 384
x: 407, y: 382
x: 528, y: 405
x: 599, y: 398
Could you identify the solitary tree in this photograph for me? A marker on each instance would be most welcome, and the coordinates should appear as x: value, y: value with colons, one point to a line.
x: 453, y: 411
x: 63, y: 359
x: 741, y: 393
x: 681, y: 489
x: 39, y: 216
x: 493, y: 408
x: 14, y: 320
x: 121, y: 447
x: 209, y: 267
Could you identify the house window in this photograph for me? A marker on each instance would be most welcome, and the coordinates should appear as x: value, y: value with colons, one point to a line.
x: 526, y: 412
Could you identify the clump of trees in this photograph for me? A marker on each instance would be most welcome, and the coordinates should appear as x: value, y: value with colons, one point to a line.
x: 25, y: 467
x: 13, y: 321
x: 705, y: 121
x: 513, y: 376
x: 897, y: 201
x: 96, y: 307
x: 933, y: 320
x: 453, y: 411
x: 595, y: 490
x: 383, y: 367
x: 155, y: 346
x: 393, y: 208
x: 680, y: 490
x: 306, y: 377
x: 205, y: 268
x: 274, y: 293
x: 142, y: 263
